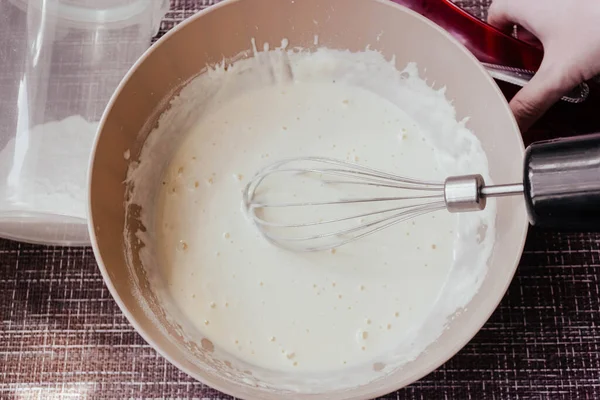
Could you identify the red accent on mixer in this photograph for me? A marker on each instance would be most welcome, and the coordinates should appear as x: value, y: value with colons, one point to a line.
x: 487, y: 43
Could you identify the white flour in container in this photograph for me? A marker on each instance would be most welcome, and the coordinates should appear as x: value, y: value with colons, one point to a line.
x: 43, y: 171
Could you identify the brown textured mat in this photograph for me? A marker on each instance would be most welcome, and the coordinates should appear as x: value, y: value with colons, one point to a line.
x: 62, y: 335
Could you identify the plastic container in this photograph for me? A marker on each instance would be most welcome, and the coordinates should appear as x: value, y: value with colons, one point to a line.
x: 60, y: 61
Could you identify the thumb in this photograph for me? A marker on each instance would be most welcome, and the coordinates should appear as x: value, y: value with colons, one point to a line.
x: 546, y: 87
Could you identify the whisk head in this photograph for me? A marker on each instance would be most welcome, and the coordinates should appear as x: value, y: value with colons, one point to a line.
x: 317, y: 203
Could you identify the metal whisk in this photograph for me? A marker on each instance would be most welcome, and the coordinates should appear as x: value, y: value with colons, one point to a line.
x: 330, y: 212
x: 315, y: 203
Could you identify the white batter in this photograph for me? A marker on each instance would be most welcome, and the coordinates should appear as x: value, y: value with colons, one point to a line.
x: 375, y: 303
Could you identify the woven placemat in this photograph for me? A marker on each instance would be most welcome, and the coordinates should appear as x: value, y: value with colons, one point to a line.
x: 63, y: 336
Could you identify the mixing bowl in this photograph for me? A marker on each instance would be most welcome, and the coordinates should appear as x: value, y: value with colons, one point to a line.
x: 225, y: 31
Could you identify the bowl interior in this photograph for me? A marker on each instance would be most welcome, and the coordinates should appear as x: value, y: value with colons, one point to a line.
x: 224, y: 31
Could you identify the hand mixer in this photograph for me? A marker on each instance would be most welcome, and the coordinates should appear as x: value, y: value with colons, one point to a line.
x: 505, y: 57
x: 561, y: 187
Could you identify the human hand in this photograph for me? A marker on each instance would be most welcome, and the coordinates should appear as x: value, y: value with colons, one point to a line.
x: 569, y: 30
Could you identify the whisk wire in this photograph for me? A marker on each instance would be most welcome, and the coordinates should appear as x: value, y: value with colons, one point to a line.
x: 263, y: 222
x: 351, y: 168
x: 342, y: 201
x: 330, y: 172
x: 283, y: 241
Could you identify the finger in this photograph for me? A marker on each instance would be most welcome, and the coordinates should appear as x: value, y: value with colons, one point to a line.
x: 497, y: 16
x: 545, y: 88
x: 504, y: 14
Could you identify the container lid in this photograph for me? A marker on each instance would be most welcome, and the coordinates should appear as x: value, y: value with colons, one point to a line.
x: 96, y: 12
